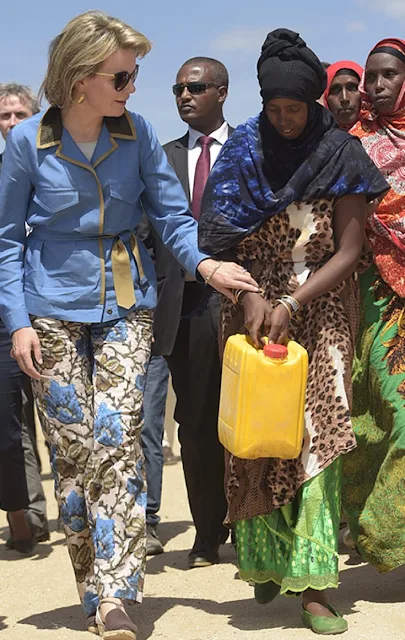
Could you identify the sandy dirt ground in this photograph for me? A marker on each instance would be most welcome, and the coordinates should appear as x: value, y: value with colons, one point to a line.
x: 38, y: 598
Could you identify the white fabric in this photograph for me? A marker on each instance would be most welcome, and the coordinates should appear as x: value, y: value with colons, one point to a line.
x: 87, y: 149
x: 194, y: 149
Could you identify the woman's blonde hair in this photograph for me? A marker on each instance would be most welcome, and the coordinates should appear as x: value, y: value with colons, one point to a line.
x: 83, y: 45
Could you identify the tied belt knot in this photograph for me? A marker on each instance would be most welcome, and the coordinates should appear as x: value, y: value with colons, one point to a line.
x: 121, y: 269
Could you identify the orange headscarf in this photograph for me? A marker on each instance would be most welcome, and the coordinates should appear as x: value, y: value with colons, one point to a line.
x: 334, y: 68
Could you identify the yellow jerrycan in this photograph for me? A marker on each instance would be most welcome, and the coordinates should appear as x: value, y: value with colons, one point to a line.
x: 261, y: 412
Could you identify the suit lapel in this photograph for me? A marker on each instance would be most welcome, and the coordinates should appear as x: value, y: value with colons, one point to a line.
x: 180, y: 163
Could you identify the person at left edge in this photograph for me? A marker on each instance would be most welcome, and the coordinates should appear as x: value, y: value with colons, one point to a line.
x: 19, y: 458
x: 77, y: 294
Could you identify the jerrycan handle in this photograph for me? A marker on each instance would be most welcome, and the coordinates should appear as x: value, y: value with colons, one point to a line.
x: 275, y: 351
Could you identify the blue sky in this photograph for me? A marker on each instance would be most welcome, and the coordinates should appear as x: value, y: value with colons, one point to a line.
x: 230, y: 30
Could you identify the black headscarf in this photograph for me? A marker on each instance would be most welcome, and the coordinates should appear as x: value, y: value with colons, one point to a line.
x: 287, y: 68
x: 259, y: 173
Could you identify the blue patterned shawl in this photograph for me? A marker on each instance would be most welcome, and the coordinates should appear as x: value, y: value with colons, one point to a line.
x: 238, y: 198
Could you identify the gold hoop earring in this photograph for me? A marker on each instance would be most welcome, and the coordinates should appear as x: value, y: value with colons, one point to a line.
x: 80, y: 100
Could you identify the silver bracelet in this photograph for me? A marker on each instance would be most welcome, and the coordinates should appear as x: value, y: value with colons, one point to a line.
x: 292, y: 302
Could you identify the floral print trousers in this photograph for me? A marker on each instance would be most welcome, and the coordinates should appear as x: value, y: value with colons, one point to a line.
x: 90, y: 405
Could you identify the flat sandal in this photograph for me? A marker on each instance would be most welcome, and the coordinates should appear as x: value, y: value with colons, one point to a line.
x: 91, y: 624
x: 117, y: 625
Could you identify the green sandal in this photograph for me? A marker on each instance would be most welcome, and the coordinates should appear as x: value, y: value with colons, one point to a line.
x: 324, y: 625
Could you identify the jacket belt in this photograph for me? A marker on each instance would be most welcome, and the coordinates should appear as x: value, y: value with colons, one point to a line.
x: 120, y: 260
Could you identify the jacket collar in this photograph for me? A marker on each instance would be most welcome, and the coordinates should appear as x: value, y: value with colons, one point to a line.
x: 50, y: 129
x: 182, y: 142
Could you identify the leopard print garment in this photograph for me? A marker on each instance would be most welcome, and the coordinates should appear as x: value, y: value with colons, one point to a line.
x: 281, y: 255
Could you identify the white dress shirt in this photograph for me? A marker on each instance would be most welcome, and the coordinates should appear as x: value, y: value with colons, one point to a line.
x: 194, y: 149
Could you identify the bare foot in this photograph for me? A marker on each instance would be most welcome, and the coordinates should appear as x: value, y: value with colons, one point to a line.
x: 18, y: 525
x: 316, y: 602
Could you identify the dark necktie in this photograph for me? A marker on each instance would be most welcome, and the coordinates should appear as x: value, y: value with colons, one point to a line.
x: 202, y: 171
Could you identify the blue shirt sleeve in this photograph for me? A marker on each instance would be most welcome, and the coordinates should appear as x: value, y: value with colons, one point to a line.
x: 15, y: 191
x: 164, y: 201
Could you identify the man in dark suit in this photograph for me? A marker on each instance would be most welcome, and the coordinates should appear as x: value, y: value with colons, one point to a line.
x: 17, y: 103
x: 187, y: 315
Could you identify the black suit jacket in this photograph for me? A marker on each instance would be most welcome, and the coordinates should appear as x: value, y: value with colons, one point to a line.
x: 170, y: 274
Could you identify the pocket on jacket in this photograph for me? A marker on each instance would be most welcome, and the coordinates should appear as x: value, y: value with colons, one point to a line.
x: 129, y: 191
x: 54, y: 200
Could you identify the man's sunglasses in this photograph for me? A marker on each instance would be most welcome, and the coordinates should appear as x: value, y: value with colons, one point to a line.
x: 121, y: 78
x: 192, y: 87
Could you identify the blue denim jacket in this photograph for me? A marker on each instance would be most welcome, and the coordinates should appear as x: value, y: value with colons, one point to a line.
x: 82, y: 261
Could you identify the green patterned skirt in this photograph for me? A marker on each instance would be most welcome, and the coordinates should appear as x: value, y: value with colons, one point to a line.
x: 295, y: 546
x: 374, y: 473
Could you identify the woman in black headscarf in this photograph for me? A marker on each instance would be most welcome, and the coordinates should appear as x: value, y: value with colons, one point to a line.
x: 288, y: 198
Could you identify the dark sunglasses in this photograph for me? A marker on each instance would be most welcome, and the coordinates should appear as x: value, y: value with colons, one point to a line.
x: 192, y: 87
x: 121, y: 78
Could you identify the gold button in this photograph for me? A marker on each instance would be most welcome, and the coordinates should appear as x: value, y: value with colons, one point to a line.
x: 109, y: 311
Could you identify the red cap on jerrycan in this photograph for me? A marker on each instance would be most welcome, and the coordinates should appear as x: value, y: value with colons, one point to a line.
x: 275, y: 351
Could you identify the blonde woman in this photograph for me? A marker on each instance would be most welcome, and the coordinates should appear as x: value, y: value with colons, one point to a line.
x: 77, y: 294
